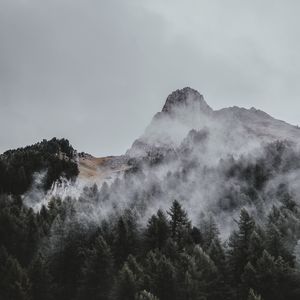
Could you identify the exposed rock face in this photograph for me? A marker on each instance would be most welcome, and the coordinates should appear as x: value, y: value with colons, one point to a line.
x: 186, y: 97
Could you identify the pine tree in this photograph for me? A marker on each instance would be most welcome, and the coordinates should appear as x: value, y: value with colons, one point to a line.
x: 33, y: 234
x: 239, y: 244
x: 197, y: 236
x: 209, y: 231
x: 97, y: 272
x: 275, y: 244
x: 40, y: 279
x: 249, y: 279
x: 217, y: 254
x: 157, y: 231
x: 126, y: 238
x: 126, y: 285
x: 14, y: 282
x: 206, y: 277
x: 161, y: 276
x: 180, y: 226
x: 256, y: 247
x: 267, y: 276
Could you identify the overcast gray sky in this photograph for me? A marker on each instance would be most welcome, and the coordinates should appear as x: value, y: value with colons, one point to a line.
x: 96, y: 71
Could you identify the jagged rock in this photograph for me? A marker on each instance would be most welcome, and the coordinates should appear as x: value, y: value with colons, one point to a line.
x: 186, y: 97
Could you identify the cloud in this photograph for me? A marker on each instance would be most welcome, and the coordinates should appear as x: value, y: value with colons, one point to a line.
x: 96, y: 71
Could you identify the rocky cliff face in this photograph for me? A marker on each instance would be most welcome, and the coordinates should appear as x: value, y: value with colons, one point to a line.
x: 186, y: 97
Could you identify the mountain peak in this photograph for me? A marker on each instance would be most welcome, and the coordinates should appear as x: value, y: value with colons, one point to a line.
x: 185, y: 97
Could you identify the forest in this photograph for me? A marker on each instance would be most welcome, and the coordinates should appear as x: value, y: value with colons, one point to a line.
x: 17, y: 167
x: 60, y: 252
x: 168, y: 259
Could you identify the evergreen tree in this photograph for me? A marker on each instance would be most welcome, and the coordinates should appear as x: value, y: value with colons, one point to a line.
x: 33, y: 235
x: 97, y: 272
x: 180, y: 225
x: 256, y: 247
x: 14, y: 282
x: 126, y: 238
x: 196, y: 236
x: 161, y: 276
x: 40, y: 279
x: 217, y: 255
x: 202, y: 279
x: 249, y: 279
x: 126, y: 285
x: 209, y: 231
x: 157, y: 231
x: 239, y: 243
x: 275, y: 244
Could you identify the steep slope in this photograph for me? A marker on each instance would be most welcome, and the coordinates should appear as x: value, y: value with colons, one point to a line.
x: 100, y: 169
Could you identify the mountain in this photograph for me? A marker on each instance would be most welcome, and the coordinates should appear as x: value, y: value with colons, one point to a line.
x: 204, y: 205
x: 214, y: 161
x: 189, y: 152
x: 235, y: 130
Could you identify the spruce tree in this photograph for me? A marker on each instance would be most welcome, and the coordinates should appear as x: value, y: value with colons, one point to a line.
x: 157, y: 231
x: 97, y: 272
x: 239, y: 244
x: 126, y: 238
x: 126, y: 285
x: 209, y: 231
x: 180, y: 225
x: 256, y: 247
x: 161, y: 276
x: 14, y: 282
x: 40, y: 279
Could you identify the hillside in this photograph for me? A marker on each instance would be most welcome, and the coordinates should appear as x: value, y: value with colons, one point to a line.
x: 204, y: 205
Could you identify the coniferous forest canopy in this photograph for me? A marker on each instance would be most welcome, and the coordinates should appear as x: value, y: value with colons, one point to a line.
x: 51, y: 254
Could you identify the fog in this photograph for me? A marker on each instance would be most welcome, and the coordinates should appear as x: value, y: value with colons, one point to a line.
x: 95, y: 72
x: 208, y: 160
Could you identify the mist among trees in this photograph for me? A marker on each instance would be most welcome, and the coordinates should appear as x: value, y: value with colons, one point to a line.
x: 68, y: 250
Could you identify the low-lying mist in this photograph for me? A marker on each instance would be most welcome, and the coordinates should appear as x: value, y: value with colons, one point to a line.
x: 212, y: 162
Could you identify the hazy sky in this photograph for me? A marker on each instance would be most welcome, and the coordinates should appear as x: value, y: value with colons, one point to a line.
x: 96, y: 71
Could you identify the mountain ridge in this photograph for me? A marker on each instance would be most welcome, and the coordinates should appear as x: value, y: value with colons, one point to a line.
x: 186, y: 109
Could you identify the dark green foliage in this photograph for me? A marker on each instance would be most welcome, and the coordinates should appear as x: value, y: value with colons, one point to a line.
x: 97, y: 272
x: 157, y: 231
x: 161, y: 275
x: 17, y: 167
x: 127, y: 284
x: 239, y: 245
x: 209, y: 231
x: 126, y: 239
x: 14, y: 281
x: 180, y: 225
x: 40, y: 279
x: 50, y: 255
